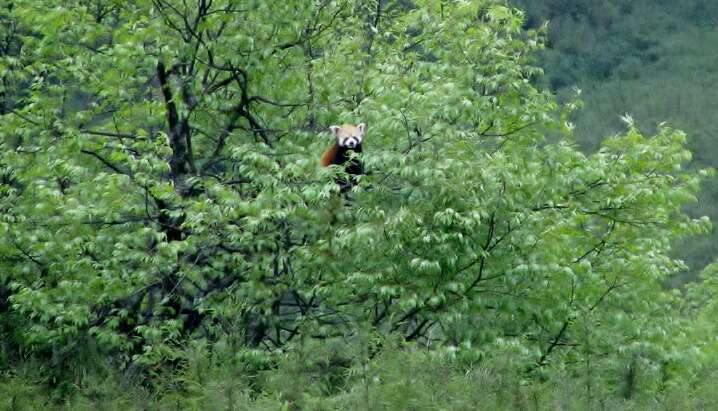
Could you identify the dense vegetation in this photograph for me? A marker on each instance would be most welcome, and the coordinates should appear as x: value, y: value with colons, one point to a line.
x: 643, y: 57
x: 167, y: 239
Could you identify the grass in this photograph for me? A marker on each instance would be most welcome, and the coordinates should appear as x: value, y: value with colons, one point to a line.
x: 400, y: 378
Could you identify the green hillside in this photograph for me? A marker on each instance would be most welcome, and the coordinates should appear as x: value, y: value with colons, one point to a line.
x: 655, y: 60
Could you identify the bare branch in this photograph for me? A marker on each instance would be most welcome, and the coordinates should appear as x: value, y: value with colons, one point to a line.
x: 106, y: 162
x: 111, y: 134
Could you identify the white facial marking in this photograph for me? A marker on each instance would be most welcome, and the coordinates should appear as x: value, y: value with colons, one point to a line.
x: 348, y: 135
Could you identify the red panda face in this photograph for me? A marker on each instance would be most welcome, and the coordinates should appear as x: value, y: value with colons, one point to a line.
x: 348, y: 135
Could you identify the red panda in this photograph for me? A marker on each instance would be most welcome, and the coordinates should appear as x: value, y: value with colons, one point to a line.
x: 348, y: 138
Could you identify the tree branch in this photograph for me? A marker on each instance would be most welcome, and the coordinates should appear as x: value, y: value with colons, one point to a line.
x: 107, y: 163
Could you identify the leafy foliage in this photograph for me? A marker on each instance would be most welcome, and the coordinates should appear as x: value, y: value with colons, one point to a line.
x: 162, y: 199
x: 647, y: 58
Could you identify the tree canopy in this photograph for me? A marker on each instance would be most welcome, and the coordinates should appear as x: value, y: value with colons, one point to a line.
x: 159, y: 185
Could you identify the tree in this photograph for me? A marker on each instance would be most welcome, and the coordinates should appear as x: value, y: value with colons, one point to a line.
x: 165, y: 184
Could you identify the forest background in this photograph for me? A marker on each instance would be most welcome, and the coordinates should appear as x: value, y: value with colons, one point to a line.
x: 168, y: 242
x: 645, y: 58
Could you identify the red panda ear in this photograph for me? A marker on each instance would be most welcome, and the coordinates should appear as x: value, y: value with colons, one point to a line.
x: 361, y: 128
x: 335, y: 130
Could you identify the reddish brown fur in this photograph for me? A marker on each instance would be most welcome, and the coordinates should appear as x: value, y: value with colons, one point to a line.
x: 347, y: 144
x: 329, y: 155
